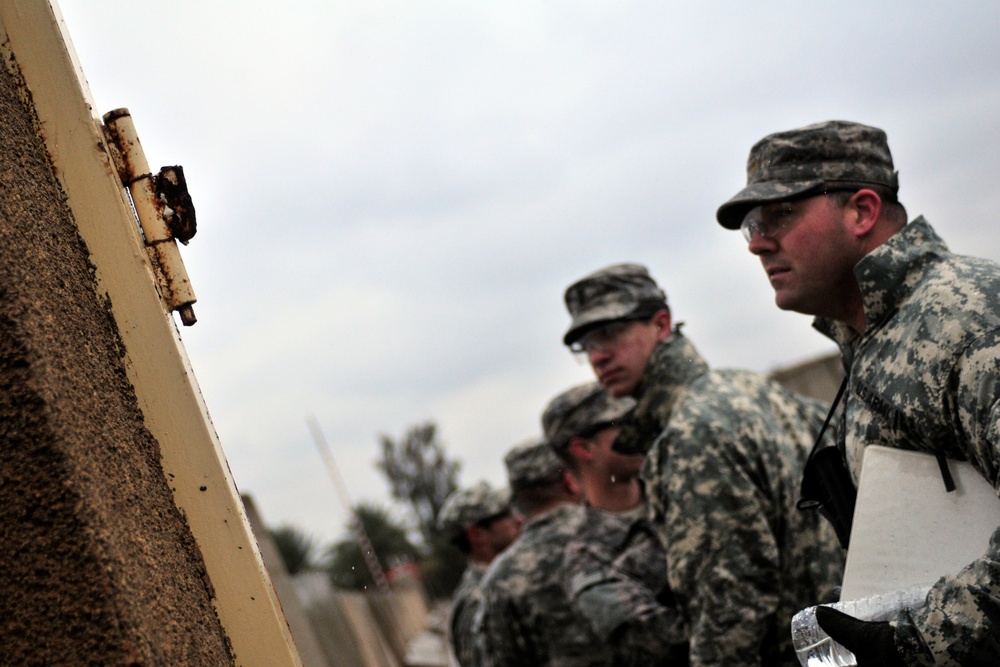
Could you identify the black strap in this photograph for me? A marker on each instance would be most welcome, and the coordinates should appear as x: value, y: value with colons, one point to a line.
x: 949, y: 481
x: 811, y: 503
x: 829, y: 416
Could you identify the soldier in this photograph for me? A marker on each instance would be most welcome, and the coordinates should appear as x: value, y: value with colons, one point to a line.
x: 614, y: 570
x: 526, y: 617
x: 919, y: 332
x: 580, y: 425
x: 724, y: 457
x: 480, y: 522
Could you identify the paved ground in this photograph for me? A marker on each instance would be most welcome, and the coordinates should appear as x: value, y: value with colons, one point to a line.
x: 430, y: 647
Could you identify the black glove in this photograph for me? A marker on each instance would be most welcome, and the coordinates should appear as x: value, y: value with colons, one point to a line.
x: 873, y: 643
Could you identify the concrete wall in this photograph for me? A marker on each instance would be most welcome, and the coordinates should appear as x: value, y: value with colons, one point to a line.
x: 99, y: 565
x: 308, y: 644
x: 363, y: 629
x: 344, y: 623
x: 819, y: 377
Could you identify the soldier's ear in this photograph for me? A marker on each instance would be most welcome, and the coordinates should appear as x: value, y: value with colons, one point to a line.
x: 662, y: 320
x: 571, y: 485
x: 865, y: 207
x: 581, y: 449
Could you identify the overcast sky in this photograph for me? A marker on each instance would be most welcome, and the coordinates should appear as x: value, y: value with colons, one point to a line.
x: 393, y: 195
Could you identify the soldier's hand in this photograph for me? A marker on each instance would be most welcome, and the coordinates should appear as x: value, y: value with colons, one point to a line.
x: 873, y: 643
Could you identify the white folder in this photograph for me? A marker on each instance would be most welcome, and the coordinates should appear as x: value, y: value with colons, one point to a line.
x: 907, y: 529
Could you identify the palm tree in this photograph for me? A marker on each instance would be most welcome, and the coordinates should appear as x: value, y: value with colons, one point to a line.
x: 296, y: 548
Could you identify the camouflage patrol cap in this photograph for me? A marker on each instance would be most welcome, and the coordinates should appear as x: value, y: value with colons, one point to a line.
x: 786, y: 164
x: 578, y: 411
x: 466, y: 507
x: 532, y: 462
x: 616, y: 292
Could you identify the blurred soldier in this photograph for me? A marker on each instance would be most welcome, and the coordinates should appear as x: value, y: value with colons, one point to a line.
x: 919, y: 332
x: 479, y: 521
x: 724, y: 457
x: 526, y: 617
x: 580, y: 424
x: 614, y: 567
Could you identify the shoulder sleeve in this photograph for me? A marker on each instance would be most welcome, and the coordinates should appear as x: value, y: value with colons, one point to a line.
x: 499, y: 638
x: 723, y: 558
x: 615, y: 577
x: 960, y: 622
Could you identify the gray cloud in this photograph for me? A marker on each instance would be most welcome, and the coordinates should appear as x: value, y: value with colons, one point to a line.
x: 392, y: 196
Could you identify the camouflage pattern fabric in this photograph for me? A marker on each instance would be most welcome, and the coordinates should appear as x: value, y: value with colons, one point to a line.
x: 794, y: 162
x: 465, y: 507
x: 619, y: 291
x: 614, y: 573
x: 530, y: 463
x: 526, y: 617
x: 465, y: 605
x: 576, y: 411
x: 925, y: 376
x: 663, y: 384
x: 723, y: 479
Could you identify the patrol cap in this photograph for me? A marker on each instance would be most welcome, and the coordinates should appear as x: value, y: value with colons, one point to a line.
x: 786, y: 164
x: 465, y: 507
x: 616, y: 292
x: 577, y: 412
x: 532, y: 462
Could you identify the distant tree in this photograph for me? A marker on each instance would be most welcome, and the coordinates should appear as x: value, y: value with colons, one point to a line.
x: 348, y: 568
x: 296, y: 548
x: 442, y: 567
x: 420, y: 473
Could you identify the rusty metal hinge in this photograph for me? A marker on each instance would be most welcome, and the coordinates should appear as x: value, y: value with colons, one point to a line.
x: 163, y: 207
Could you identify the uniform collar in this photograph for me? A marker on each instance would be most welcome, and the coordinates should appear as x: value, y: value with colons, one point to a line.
x: 882, y: 276
x: 553, y: 515
x: 674, y: 361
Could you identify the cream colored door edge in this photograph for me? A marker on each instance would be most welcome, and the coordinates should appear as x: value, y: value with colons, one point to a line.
x: 158, y: 368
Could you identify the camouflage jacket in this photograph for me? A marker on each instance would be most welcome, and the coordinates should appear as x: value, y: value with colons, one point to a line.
x: 723, y: 479
x: 614, y: 573
x: 526, y: 617
x: 464, y: 605
x: 925, y: 376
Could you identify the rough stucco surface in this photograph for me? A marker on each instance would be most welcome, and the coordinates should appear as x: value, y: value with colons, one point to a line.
x: 98, y: 565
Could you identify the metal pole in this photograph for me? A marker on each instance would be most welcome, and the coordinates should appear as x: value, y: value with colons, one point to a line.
x: 367, y: 551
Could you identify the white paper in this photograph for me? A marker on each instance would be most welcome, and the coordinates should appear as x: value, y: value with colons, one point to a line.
x: 907, y: 529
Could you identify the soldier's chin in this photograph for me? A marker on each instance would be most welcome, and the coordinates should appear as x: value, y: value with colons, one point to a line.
x: 617, y: 387
x: 784, y: 299
x: 789, y: 301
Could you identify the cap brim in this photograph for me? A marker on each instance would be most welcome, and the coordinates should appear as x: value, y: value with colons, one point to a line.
x: 615, y: 412
x: 595, y: 317
x: 730, y: 215
x: 630, y: 448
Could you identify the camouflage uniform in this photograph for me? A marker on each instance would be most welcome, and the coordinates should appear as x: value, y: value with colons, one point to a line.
x: 465, y: 604
x: 614, y: 567
x: 926, y: 376
x: 723, y: 478
x: 614, y: 574
x: 526, y: 617
x: 461, y: 509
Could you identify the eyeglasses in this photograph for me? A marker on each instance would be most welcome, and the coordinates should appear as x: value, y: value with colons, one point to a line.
x: 600, y: 338
x: 768, y: 220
